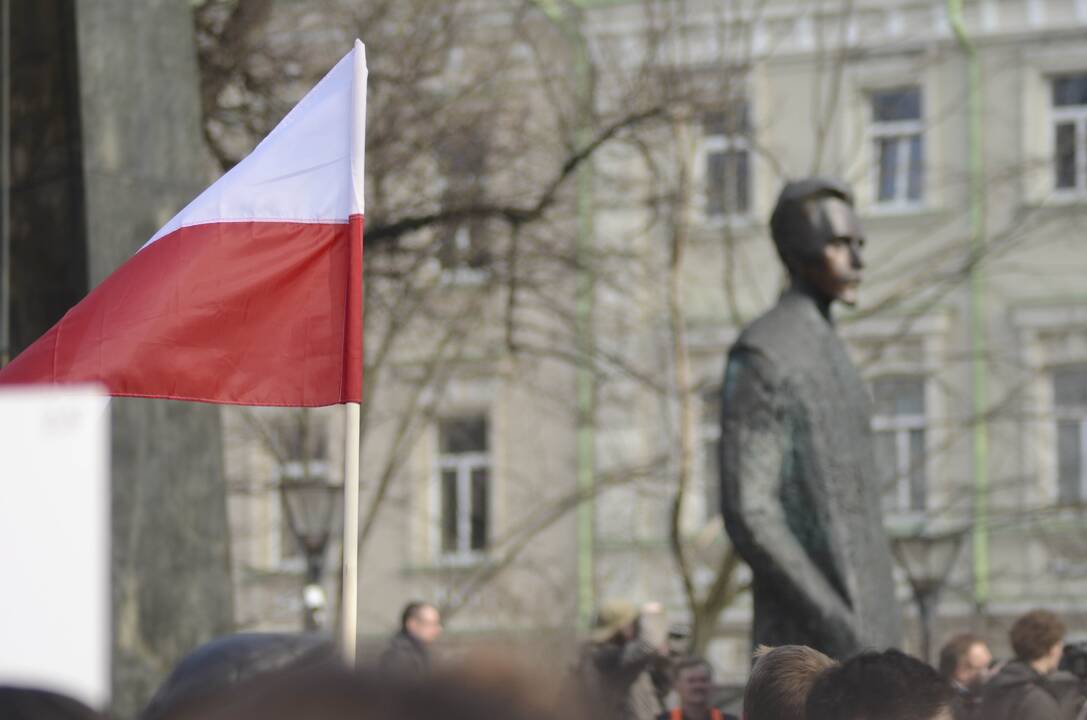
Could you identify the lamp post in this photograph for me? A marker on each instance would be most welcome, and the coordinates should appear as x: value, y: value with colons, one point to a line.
x: 926, y: 558
x: 309, y: 503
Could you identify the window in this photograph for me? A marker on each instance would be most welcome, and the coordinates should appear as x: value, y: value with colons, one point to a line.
x: 1070, y: 405
x: 898, y: 423
x: 709, y: 435
x: 464, y: 249
x: 898, y: 147
x: 463, y: 487
x: 1070, y: 133
x: 728, y: 161
x: 464, y: 253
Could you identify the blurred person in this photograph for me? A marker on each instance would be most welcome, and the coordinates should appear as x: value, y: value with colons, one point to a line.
x: 22, y: 703
x: 224, y: 662
x: 887, y: 685
x: 964, y: 662
x: 1071, y: 677
x: 780, y: 681
x: 1027, y: 688
x: 677, y: 644
x: 408, y: 652
x: 481, y: 691
x: 693, y: 684
x: 614, y: 667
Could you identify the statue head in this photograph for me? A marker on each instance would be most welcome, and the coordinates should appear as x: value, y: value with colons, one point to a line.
x: 819, y: 239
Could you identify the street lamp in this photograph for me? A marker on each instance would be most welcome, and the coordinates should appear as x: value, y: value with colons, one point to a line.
x: 309, y: 502
x: 926, y: 558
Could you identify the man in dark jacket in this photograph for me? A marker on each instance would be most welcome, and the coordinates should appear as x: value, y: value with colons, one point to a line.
x: 408, y: 653
x: 614, y: 666
x: 1024, y: 689
x: 964, y: 662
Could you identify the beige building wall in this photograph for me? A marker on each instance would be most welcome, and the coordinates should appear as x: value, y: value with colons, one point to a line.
x: 809, y: 78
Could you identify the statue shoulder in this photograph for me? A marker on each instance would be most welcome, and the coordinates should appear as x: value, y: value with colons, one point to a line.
x: 776, y: 338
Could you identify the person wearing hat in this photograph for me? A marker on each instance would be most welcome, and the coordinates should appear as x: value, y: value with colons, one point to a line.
x: 614, y: 667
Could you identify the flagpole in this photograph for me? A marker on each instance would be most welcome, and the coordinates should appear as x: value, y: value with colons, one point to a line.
x: 349, y: 604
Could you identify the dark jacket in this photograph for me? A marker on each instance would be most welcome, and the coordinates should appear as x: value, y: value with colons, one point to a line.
x: 405, y: 656
x: 1019, y: 692
x: 966, y: 704
x: 615, y: 682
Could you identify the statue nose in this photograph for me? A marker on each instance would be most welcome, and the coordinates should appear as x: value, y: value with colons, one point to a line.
x: 855, y: 256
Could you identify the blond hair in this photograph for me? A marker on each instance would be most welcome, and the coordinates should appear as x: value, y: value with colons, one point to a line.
x: 780, y: 681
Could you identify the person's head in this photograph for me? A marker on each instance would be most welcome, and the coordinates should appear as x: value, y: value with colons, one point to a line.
x: 422, y: 621
x: 21, y: 703
x: 886, y: 685
x: 616, y: 620
x: 965, y: 659
x: 693, y: 681
x: 1037, y: 638
x: 470, y: 693
x: 225, y: 662
x: 819, y: 239
x: 780, y: 681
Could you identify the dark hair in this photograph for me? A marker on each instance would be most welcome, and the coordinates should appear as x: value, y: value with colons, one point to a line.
x: 798, y: 215
x: 18, y: 703
x: 691, y: 661
x: 954, y: 650
x: 411, y: 610
x: 888, y: 685
x: 780, y: 681
x: 222, y: 663
x: 1035, y: 634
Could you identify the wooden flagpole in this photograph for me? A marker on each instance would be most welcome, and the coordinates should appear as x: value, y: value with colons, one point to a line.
x: 349, y: 604
x: 353, y: 410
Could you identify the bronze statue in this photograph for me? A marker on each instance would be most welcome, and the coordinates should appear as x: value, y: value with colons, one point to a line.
x: 799, y: 489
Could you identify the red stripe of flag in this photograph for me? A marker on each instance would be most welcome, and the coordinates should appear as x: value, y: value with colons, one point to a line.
x: 254, y: 313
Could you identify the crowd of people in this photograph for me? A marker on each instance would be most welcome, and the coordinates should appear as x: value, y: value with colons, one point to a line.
x: 631, y: 667
x: 1031, y: 686
x: 628, y: 671
x: 799, y: 682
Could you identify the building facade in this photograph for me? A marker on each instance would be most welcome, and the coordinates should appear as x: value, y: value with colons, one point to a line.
x: 976, y: 352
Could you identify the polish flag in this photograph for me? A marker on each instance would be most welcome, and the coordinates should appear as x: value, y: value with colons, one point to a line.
x: 252, y: 294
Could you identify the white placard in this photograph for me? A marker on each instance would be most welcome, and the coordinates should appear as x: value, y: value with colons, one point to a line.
x: 54, y: 541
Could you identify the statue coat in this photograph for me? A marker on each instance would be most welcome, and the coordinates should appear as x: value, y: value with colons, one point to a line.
x: 799, y: 488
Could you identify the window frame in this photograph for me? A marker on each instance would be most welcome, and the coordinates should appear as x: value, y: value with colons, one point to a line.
x: 464, y: 465
x: 1077, y: 116
x: 463, y: 272
x: 723, y: 143
x: 463, y: 173
x: 902, y: 426
x: 902, y: 131
x: 1064, y: 414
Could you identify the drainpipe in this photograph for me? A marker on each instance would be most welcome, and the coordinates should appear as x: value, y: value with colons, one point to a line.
x: 978, y: 343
